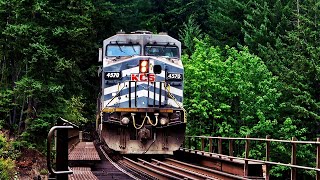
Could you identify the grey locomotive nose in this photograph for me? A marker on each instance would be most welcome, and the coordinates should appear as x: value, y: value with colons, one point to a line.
x: 140, y: 108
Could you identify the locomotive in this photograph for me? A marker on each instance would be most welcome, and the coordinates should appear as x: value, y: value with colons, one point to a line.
x: 140, y: 103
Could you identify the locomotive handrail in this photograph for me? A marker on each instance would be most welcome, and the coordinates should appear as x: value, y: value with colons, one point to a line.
x: 50, y: 169
x: 115, y: 96
x: 175, y: 100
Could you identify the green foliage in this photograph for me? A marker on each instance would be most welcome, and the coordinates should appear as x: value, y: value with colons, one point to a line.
x: 232, y: 93
x: 2, y: 142
x: 290, y: 50
x: 7, y: 149
x: 6, y: 168
x: 28, y: 86
x: 7, y: 154
x: 6, y: 104
x: 37, y: 127
x: 44, y: 172
x: 189, y: 32
x: 225, y: 20
x: 46, y: 51
x: 229, y: 92
x: 74, y: 111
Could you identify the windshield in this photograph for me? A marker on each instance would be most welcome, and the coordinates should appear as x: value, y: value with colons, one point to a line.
x: 123, y: 50
x: 169, y: 51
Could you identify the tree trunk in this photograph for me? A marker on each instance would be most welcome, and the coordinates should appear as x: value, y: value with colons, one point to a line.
x: 14, y: 98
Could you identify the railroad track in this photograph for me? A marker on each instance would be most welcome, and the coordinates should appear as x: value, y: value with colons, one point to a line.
x: 109, y: 165
x: 169, y: 168
x: 116, y: 166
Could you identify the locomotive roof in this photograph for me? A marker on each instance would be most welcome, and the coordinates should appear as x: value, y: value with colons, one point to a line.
x: 142, y: 38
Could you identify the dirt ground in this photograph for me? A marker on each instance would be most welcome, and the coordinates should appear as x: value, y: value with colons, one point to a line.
x: 31, y: 165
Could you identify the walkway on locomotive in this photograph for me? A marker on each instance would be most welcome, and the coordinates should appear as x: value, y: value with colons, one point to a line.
x: 123, y: 53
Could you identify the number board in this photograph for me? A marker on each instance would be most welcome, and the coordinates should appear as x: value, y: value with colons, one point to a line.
x: 112, y: 75
x: 174, y: 76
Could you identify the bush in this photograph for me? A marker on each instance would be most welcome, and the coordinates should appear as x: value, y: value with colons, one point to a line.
x: 44, y: 172
x: 6, y: 163
x: 6, y: 169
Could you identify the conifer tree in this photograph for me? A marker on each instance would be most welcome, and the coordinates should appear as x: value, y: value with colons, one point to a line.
x: 225, y: 21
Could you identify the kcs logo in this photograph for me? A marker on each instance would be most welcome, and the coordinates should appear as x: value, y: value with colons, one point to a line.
x: 143, y: 77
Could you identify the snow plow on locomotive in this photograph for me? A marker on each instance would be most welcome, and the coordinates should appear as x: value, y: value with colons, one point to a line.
x: 140, y: 105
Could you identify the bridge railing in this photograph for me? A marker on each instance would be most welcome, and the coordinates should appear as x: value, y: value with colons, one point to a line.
x: 192, y: 141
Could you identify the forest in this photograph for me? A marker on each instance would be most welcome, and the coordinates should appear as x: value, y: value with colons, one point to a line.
x: 252, y: 67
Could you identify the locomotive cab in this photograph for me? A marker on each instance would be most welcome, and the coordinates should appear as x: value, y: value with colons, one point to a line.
x: 141, y: 99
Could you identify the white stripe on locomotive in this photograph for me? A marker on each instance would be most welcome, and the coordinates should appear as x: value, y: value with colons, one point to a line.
x: 115, y: 88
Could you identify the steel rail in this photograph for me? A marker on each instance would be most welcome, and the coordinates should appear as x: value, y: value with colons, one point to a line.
x: 143, y: 166
x: 115, y: 165
x: 207, y: 170
x: 192, y: 173
x: 181, y: 176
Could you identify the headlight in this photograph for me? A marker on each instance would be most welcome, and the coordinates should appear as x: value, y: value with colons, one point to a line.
x: 164, y: 121
x: 125, y: 120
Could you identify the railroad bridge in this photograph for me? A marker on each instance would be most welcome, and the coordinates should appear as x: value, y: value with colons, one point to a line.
x: 200, y: 157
